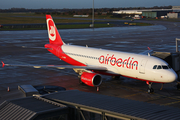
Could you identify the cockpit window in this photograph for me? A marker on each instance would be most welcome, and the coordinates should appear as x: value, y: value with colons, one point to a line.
x: 165, y: 67
x: 159, y: 67
x: 155, y: 67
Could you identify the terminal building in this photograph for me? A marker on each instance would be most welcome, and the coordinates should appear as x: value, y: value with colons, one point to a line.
x: 155, y: 13
x: 127, y: 13
x: 150, y: 13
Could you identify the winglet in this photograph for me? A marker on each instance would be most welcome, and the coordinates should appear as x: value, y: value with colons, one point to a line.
x: 3, y: 64
x: 149, y: 48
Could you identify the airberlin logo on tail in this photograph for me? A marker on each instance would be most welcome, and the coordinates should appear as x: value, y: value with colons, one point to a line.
x: 119, y: 62
x: 51, y: 30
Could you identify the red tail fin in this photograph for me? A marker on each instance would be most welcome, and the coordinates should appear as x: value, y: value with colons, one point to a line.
x: 54, y: 37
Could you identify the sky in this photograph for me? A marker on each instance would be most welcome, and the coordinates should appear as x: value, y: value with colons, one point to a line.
x: 60, y: 4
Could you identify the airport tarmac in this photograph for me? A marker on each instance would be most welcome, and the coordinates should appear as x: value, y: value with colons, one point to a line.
x: 159, y: 37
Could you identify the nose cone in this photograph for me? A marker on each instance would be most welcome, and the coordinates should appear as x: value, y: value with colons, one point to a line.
x: 172, y: 76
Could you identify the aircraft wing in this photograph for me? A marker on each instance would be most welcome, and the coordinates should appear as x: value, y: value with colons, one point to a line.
x: 59, y: 66
x: 36, y: 47
x: 147, y: 52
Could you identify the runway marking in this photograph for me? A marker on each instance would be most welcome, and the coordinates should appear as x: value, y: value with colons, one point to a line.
x: 131, y: 95
x: 167, y: 97
x: 154, y: 96
x: 161, y: 97
x: 171, y: 103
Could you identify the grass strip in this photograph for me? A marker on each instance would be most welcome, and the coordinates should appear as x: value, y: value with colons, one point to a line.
x: 76, y: 26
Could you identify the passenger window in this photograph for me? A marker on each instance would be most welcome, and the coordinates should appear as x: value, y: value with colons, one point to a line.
x: 155, y: 66
x: 159, y: 67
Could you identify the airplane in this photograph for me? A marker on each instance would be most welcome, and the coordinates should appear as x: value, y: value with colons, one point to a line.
x: 91, y: 63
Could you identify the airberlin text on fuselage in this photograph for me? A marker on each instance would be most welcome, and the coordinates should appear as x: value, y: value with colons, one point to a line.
x: 112, y: 60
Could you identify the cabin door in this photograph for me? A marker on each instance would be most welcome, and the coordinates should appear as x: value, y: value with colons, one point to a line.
x: 142, y: 66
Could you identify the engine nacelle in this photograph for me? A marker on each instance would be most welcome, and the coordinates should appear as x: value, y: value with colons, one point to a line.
x: 91, y: 79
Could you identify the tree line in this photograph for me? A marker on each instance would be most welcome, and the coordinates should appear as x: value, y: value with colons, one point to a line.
x: 87, y: 11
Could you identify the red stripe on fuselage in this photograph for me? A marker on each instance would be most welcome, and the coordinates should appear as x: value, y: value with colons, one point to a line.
x: 104, y: 73
x: 57, y: 51
x: 141, y: 79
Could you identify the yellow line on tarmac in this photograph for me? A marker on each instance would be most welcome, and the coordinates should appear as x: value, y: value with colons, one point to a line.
x: 131, y: 95
x: 168, y: 97
x: 171, y: 103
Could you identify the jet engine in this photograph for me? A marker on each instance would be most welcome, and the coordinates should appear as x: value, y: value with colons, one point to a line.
x: 91, y: 79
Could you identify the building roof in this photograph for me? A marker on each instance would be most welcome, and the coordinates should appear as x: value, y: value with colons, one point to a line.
x: 176, y: 7
x: 26, y: 108
x: 31, y: 107
x: 156, y: 10
x: 140, y: 11
x: 128, y: 12
x: 162, y: 55
x: 114, y: 105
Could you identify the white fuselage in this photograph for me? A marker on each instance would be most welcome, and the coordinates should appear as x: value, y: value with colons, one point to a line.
x: 122, y: 63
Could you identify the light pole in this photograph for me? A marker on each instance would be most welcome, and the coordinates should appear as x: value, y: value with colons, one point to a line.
x: 93, y: 15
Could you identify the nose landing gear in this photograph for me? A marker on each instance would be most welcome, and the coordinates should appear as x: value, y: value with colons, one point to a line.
x: 150, y: 89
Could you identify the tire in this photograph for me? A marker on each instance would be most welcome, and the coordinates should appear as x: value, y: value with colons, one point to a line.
x: 115, y: 77
x: 80, y: 82
x: 150, y: 90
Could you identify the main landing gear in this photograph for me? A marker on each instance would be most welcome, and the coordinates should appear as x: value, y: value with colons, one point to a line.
x: 150, y: 89
x: 116, y: 77
x: 80, y: 82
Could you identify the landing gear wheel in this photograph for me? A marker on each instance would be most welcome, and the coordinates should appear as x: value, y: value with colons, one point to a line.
x: 150, y: 90
x: 115, y: 77
x: 80, y: 82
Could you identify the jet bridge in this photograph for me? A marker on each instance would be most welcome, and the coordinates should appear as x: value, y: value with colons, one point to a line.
x: 173, y: 59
